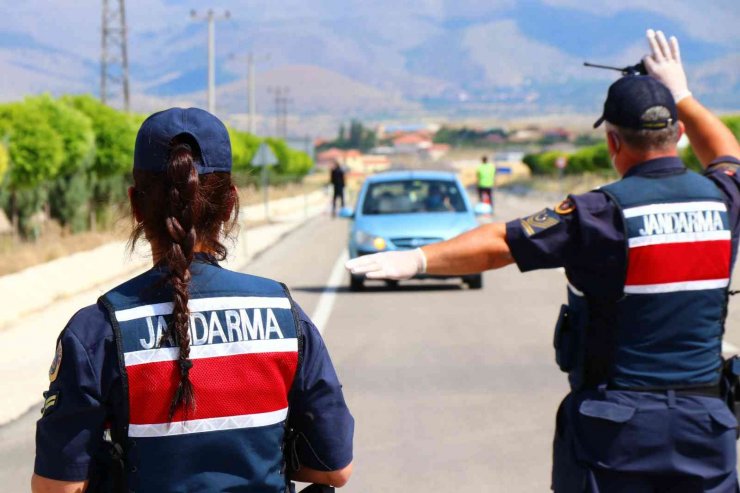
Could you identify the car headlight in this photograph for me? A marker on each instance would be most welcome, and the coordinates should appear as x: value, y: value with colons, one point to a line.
x: 368, y: 241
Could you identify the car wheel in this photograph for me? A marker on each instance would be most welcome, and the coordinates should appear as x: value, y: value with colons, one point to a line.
x: 474, y: 282
x: 356, y: 283
x: 391, y: 283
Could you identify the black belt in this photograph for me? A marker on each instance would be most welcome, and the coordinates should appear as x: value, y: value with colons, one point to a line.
x: 704, y: 391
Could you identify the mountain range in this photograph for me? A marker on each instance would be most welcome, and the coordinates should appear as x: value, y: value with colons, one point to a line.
x: 384, y: 59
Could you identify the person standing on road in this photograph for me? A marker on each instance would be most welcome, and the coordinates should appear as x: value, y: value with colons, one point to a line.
x: 337, y: 182
x: 486, y: 178
x: 648, y: 261
x: 190, y: 377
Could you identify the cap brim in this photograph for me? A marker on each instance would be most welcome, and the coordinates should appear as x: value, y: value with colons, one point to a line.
x: 599, y: 121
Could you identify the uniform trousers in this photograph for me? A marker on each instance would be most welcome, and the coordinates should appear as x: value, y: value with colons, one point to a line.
x: 614, y: 441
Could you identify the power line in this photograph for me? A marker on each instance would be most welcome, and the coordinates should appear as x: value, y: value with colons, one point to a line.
x: 211, y: 17
x: 114, y: 51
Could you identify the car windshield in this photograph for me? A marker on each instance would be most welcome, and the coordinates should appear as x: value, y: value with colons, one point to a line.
x: 412, y: 196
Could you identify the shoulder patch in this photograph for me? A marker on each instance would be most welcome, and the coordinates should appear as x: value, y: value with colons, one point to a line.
x: 728, y: 168
x: 565, y: 207
x: 54, y: 368
x: 540, y: 221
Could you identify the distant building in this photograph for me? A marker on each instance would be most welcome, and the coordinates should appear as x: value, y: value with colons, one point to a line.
x: 435, y: 151
x: 525, y: 135
x: 412, y: 143
x: 395, y: 130
x: 373, y: 163
x: 508, y: 157
x: 349, y: 158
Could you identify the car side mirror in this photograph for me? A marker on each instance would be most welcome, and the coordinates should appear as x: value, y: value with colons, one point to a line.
x: 483, y: 209
x: 347, y: 213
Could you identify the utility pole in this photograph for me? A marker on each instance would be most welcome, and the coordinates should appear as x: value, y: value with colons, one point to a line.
x: 211, y: 17
x: 114, y: 51
x: 281, y: 109
x: 250, y: 94
x: 251, y: 60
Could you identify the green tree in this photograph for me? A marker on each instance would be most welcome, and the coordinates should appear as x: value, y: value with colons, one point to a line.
x: 243, y: 147
x: 4, y: 160
x: 69, y: 193
x: 688, y: 155
x: 36, y: 151
x: 115, y: 135
x: 291, y: 163
x: 36, y: 155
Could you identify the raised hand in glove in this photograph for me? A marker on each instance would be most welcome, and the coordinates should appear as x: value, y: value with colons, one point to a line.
x: 398, y: 265
x: 664, y: 64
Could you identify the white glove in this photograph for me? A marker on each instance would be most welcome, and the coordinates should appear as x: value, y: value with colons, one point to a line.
x: 664, y: 64
x: 398, y: 266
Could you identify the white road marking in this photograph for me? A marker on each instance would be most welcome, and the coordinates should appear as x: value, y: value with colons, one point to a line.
x: 323, y: 308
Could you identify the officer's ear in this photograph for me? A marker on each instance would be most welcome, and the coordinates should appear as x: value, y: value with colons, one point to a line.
x: 681, y: 130
x: 613, y: 141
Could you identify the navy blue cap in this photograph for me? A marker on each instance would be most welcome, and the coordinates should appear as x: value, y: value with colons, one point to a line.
x: 153, y: 142
x: 630, y: 97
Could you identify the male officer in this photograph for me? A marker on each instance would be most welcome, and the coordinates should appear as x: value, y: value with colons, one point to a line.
x: 648, y: 262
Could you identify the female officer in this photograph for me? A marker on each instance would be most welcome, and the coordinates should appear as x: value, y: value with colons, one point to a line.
x: 190, y: 377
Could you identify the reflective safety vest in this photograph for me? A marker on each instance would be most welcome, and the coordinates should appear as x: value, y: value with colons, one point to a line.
x: 244, y: 345
x: 666, y: 329
x: 486, y: 175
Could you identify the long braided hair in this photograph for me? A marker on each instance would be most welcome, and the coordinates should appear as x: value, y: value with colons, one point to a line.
x: 180, y: 213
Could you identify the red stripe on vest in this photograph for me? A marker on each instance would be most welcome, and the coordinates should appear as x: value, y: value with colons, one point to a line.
x: 224, y: 386
x: 679, y: 262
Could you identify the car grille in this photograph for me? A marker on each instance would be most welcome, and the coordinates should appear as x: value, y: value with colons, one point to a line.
x: 413, y: 242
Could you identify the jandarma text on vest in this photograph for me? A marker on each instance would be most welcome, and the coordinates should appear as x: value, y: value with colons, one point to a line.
x: 220, y: 326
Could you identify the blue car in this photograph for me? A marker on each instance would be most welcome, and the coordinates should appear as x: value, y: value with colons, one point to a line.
x: 401, y: 210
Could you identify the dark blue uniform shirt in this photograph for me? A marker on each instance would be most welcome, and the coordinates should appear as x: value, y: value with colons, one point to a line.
x: 89, y: 393
x: 587, y: 235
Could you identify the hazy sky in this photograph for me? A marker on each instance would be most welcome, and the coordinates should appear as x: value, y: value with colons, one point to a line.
x: 415, y: 49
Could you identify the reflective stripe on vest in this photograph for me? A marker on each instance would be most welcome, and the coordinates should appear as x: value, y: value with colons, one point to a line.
x: 244, y: 345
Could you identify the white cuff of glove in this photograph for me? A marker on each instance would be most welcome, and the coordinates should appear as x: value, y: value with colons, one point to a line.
x: 681, y: 95
x: 422, y: 261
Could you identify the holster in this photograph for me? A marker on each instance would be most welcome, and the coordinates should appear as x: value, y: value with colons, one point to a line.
x: 565, y: 341
x: 107, y: 474
x: 293, y: 463
x: 730, y: 386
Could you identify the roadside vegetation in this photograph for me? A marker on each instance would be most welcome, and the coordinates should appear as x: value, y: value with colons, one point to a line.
x: 65, y: 166
x: 69, y: 159
x: 595, y: 158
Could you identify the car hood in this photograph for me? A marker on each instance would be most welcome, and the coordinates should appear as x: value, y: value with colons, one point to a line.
x: 427, y: 225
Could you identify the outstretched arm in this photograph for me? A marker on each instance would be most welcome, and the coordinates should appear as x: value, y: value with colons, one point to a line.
x: 480, y: 249
x: 709, y: 137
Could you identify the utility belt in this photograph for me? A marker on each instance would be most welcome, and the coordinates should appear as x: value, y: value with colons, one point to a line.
x: 701, y: 391
x: 570, y: 355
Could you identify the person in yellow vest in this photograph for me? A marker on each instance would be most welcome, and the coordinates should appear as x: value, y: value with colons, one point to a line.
x: 486, y: 179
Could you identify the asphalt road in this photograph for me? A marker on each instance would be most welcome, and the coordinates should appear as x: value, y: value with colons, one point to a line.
x: 452, y: 389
